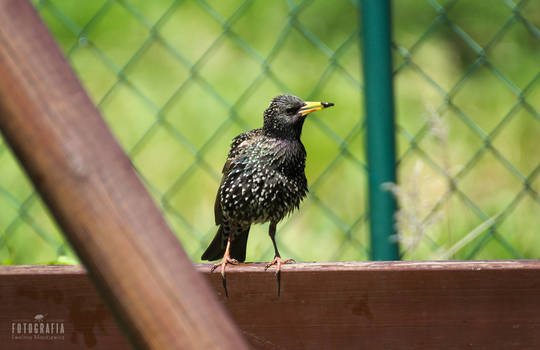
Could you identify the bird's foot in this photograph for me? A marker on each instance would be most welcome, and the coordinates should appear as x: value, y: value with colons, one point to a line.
x: 278, y: 262
x: 223, y: 263
x: 226, y: 260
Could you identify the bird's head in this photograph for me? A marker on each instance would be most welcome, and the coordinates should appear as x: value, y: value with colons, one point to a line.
x: 285, y: 116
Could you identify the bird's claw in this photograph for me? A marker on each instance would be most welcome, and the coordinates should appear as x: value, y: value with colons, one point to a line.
x: 278, y: 261
x: 223, y: 263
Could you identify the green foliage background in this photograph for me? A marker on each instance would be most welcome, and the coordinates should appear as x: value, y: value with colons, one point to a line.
x: 177, y: 80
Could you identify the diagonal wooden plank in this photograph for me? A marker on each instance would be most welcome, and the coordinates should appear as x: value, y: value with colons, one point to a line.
x: 94, y: 193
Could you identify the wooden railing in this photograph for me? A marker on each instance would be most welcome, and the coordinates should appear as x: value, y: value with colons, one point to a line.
x: 371, y: 305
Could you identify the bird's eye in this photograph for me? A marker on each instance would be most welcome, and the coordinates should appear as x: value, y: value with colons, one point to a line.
x: 292, y: 110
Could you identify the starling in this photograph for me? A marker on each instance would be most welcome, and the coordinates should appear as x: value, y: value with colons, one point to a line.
x: 263, y: 181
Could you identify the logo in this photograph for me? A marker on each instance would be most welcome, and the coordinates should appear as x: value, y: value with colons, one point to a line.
x: 39, y: 327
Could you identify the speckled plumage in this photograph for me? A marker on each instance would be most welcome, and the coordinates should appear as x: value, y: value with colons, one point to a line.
x: 263, y: 177
x: 264, y: 181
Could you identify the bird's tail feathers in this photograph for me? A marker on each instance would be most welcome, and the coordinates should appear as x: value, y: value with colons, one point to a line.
x: 216, y: 249
x: 239, y: 246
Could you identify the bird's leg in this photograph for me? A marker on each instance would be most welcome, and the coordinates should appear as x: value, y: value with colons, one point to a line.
x: 223, y: 263
x: 277, y: 258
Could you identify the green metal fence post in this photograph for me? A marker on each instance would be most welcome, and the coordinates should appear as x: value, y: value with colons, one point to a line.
x: 376, y: 27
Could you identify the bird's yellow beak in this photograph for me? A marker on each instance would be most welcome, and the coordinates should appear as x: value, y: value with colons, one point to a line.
x: 314, y: 106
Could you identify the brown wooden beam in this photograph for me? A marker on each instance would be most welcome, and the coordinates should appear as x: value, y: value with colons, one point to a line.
x: 96, y: 197
x: 371, y: 305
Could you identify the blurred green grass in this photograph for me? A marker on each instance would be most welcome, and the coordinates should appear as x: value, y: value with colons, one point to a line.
x: 176, y: 89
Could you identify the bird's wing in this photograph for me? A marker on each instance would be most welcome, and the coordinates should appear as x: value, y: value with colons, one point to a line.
x: 238, y: 145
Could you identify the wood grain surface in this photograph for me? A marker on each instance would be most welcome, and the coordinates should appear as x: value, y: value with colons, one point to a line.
x: 360, y: 305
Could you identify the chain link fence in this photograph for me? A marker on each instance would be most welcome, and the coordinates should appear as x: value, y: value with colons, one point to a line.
x: 177, y: 80
x: 469, y: 170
